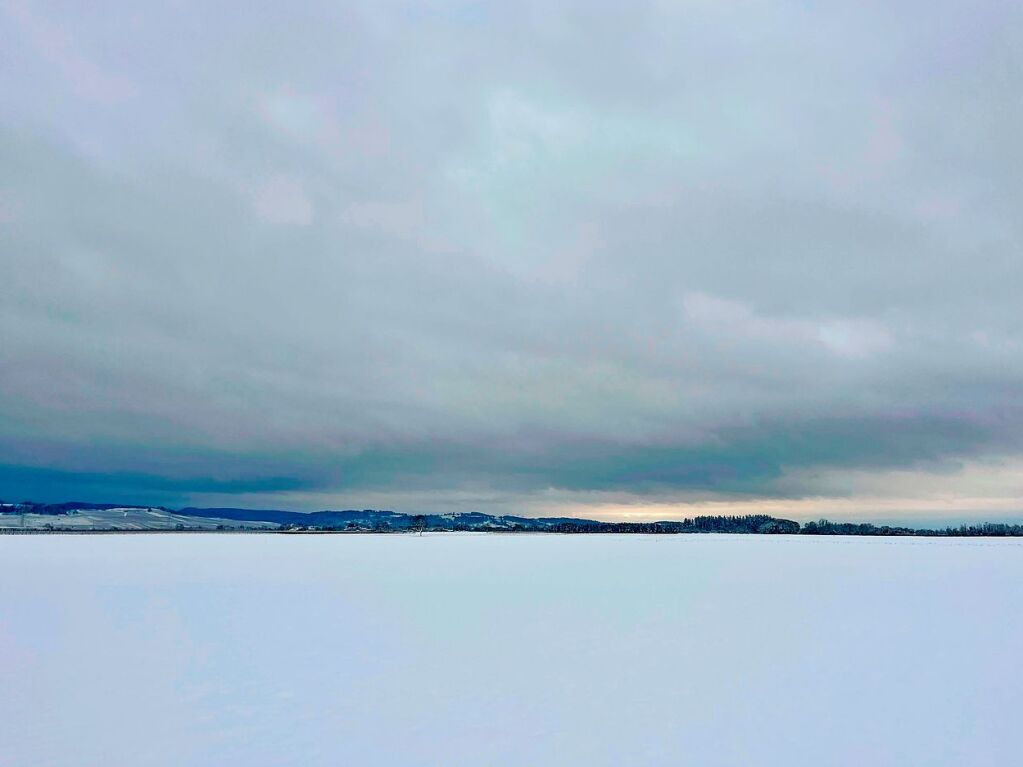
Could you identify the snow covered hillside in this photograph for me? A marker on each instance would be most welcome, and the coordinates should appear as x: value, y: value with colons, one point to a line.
x: 123, y: 518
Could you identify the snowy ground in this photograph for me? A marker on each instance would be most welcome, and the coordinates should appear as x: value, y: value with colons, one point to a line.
x: 509, y: 650
x: 121, y: 519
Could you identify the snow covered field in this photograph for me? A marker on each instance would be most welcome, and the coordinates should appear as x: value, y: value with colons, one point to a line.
x: 130, y: 518
x: 451, y: 649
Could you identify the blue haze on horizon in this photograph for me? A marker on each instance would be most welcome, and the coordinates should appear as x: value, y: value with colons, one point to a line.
x: 603, y: 259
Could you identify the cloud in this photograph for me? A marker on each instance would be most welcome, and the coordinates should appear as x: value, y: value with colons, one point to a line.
x: 514, y: 255
x: 844, y: 337
x: 55, y: 44
x: 283, y: 201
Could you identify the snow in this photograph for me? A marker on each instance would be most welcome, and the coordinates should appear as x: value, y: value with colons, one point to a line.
x: 127, y: 518
x: 481, y: 649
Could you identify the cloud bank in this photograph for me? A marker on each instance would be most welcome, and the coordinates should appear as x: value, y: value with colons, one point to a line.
x: 532, y: 257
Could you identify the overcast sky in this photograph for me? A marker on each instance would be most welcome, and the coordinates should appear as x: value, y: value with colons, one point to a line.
x: 601, y: 259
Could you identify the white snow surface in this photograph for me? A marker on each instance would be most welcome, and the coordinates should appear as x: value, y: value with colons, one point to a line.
x: 481, y: 649
x: 127, y: 518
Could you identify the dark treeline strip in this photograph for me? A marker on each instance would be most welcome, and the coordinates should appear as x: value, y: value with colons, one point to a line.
x: 987, y: 529
x: 752, y: 523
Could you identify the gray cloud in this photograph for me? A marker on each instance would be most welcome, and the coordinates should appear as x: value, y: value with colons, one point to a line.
x: 507, y: 252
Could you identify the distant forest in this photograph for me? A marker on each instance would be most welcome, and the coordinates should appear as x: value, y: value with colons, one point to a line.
x: 763, y: 524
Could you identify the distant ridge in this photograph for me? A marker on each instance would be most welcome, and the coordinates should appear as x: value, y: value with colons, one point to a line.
x: 80, y: 516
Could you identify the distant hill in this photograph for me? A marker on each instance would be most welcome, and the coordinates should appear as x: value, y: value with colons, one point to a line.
x: 102, y: 517
x: 78, y: 516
